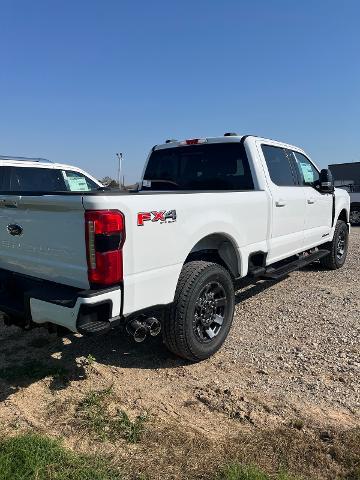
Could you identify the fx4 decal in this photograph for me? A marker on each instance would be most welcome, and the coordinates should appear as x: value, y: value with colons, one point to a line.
x: 162, y: 216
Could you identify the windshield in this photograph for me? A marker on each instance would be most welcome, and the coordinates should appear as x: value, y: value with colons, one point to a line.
x: 217, y: 166
x: 44, y: 180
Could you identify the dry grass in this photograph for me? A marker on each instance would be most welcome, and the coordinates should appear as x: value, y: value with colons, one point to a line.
x: 177, y: 454
x: 163, y: 450
x: 166, y: 451
x: 171, y: 454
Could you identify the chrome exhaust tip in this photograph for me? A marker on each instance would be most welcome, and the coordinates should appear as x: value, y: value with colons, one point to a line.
x: 154, y: 326
x: 137, y: 330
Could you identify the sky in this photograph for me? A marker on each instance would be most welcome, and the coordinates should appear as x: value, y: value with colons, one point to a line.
x: 83, y: 79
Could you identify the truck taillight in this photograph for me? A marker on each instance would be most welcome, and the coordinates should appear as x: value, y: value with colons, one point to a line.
x: 105, y: 236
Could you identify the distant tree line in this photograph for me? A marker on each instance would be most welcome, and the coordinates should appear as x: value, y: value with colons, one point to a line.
x: 112, y: 183
x: 109, y: 182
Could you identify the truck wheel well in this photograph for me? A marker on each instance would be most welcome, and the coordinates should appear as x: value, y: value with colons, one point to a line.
x: 343, y: 215
x: 217, y: 248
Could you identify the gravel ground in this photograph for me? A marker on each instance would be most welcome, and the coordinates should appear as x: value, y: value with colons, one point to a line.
x: 292, y: 355
x: 302, y: 338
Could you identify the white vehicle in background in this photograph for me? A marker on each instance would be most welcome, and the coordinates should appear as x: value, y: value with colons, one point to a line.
x: 24, y: 174
x: 208, y: 212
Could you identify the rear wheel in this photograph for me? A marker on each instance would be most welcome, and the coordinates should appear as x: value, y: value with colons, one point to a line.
x: 201, y: 315
x: 338, y: 247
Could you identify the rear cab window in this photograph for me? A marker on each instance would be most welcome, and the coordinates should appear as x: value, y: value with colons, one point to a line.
x: 44, y: 180
x: 213, y: 166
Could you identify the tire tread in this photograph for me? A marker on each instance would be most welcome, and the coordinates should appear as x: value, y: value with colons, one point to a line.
x: 330, y: 262
x: 174, y: 325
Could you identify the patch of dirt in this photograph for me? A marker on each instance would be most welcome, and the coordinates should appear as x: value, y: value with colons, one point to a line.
x: 292, y: 358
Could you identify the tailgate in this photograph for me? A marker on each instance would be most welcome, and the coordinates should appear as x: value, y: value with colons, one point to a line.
x: 44, y: 237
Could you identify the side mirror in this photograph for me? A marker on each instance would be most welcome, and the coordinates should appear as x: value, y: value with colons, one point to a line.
x: 326, y: 182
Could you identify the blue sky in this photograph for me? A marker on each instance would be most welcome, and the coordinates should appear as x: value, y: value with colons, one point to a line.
x: 83, y: 79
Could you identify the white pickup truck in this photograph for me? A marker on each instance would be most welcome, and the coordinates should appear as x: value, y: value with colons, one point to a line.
x: 208, y: 212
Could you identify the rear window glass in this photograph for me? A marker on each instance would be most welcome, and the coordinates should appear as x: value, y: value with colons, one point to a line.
x: 77, y: 182
x: 29, y: 179
x: 219, y: 166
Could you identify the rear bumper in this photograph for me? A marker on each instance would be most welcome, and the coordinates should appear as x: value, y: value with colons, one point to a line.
x: 102, y: 308
x: 28, y: 300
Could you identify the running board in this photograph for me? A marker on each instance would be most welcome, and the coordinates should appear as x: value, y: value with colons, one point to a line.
x: 272, y: 273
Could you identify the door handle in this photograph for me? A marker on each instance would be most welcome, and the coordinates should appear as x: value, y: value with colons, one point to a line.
x: 310, y: 201
x: 280, y: 203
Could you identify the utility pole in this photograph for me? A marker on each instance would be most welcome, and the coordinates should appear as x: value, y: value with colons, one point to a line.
x: 120, y: 158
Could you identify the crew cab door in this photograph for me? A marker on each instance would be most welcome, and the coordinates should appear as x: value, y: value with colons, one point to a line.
x: 286, y: 235
x: 318, y: 212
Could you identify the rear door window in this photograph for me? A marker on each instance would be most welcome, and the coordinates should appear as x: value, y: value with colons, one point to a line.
x: 217, y: 166
x: 280, y: 167
x: 27, y: 179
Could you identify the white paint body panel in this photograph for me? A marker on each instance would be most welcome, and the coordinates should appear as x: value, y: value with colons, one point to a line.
x: 45, y: 312
x: 154, y: 253
x: 318, y: 216
x: 300, y: 216
x: 53, y: 244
